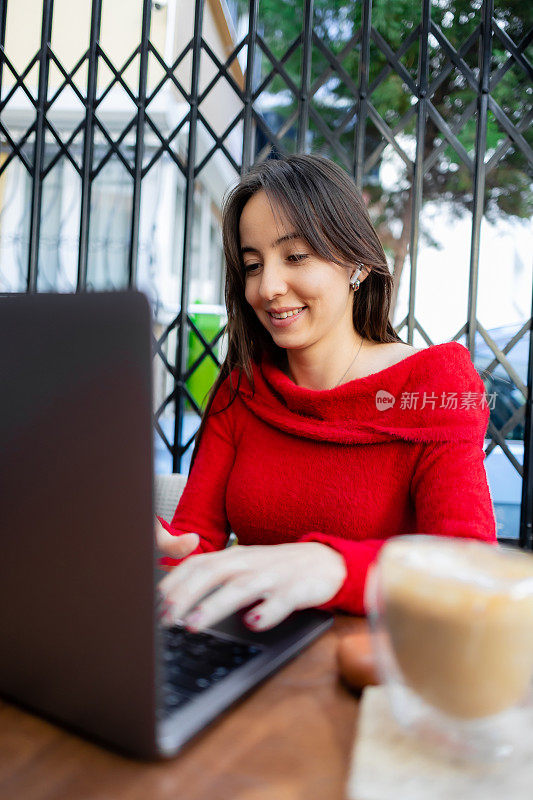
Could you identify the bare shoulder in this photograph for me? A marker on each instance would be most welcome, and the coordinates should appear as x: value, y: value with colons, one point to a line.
x: 390, y: 353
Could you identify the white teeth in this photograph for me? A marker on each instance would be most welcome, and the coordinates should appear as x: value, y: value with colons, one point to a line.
x: 286, y: 314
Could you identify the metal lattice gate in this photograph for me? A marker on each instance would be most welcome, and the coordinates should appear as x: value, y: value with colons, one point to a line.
x: 446, y: 90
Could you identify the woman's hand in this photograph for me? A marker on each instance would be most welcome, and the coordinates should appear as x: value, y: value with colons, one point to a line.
x: 285, y: 577
x: 174, y: 546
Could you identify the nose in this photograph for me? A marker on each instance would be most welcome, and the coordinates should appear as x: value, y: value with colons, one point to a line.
x: 273, y: 283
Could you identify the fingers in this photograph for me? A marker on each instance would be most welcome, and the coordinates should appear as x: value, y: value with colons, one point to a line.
x: 235, y: 594
x: 210, y: 586
x: 175, y: 546
x: 181, y: 546
x: 188, y: 583
x: 270, y: 612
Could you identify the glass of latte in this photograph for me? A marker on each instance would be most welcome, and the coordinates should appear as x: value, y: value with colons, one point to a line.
x: 452, y: 629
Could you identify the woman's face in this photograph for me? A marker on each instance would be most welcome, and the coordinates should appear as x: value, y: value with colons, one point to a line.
x: 298, y: 297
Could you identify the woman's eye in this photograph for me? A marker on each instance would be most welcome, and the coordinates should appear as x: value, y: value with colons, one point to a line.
x: 297, y: 257
x: 251, y: 268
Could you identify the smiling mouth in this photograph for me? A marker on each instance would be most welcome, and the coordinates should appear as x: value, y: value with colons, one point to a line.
x: 285, y: 314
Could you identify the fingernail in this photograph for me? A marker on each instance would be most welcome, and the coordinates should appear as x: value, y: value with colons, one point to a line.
x: 192, y: 619
x: 164, y: 607
x: 166, y: 618
x: 253, y: 619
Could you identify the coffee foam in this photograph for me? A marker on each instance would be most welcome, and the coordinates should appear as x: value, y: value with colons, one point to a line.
x: 460, y: 564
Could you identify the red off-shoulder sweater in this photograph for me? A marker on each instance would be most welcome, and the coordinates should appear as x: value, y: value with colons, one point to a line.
x: 399, y: 451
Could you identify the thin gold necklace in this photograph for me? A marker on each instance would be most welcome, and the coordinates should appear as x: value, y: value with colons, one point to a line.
x: 351, y: 365
x: 344, y: 374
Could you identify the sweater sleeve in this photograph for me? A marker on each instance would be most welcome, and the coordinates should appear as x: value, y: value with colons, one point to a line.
x: 202, y: 506
x: 451, y: 497
x: 451, y: 493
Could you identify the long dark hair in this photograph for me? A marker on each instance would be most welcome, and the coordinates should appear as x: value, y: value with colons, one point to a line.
x: 324, y: 207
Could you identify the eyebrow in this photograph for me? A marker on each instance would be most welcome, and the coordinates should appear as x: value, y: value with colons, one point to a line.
x: 287, y: 237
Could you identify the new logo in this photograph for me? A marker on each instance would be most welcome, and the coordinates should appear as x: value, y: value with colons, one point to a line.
x: 384, y: 400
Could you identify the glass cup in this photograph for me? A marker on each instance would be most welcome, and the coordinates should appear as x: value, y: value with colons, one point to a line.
x: 452, y: 630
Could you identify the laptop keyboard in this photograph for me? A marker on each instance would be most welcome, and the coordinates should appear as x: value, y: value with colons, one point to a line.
x: 195, y: 661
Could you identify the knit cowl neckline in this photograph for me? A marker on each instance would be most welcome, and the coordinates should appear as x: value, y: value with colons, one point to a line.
x: 433, y: 395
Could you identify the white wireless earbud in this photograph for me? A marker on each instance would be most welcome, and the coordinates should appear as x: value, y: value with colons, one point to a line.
x: 353, y: 279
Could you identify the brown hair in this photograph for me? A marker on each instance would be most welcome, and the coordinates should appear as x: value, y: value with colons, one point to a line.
x: 324, y: 207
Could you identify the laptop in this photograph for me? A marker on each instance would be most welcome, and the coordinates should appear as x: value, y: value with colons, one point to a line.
x: 79, y: 606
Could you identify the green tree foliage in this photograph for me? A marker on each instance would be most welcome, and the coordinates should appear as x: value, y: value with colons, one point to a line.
x: 449, y: 169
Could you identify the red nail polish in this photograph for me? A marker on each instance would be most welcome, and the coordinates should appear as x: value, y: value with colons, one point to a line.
x: 192, y: 620
x: 253, y: 619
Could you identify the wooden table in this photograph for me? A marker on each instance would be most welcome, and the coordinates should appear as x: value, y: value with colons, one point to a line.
x: 289, y: 740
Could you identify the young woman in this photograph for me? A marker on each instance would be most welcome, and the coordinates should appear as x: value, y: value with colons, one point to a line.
x: 325, y: 434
